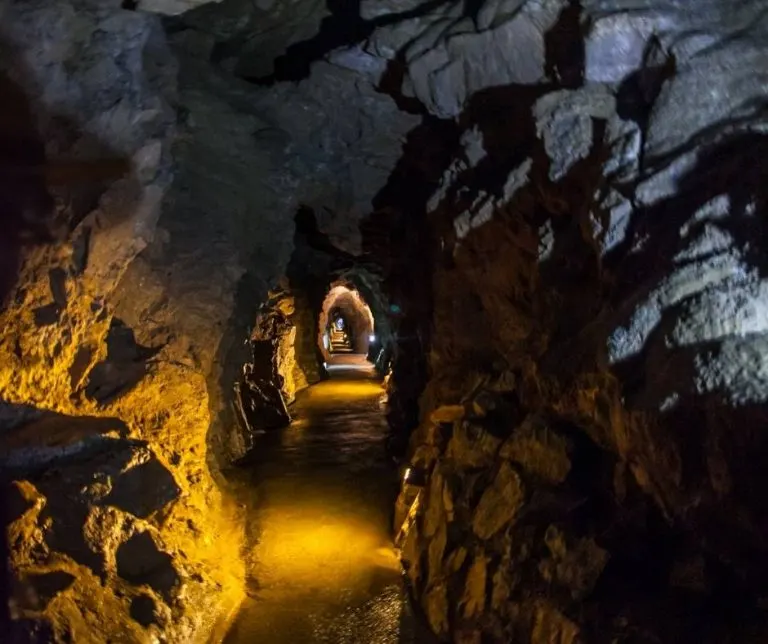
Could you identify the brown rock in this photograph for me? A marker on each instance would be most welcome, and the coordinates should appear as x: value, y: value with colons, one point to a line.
x: 550, y: 626
x: 576, y: 566
x: 499, y: 504
x: 435, y: 604
x: 411, y: 554
x: 473, y: 599
x: 539, y: 450
x: 425, y: 456
x: 435, y: 513
x: 501, y: 589
x: 467, y: 636
x: 456, y: 560
x: 472, y: 446
x: 435, y: 553
x: 447, y: 414
x: 690, y: 573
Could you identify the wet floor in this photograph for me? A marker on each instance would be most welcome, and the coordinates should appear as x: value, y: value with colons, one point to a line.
x: 320, y: 498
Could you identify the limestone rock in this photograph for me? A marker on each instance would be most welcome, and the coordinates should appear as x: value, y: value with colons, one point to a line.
x: 434, y: 516
x: 456, y: 559
x: 564, y: 122
x: 499, y: 504
x: 171, y: 7
x: 467, y: 636
x: 411, y: 555
x: 250, y: 36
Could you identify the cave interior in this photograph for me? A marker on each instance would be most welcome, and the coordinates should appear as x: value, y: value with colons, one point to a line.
x: 454, y: 309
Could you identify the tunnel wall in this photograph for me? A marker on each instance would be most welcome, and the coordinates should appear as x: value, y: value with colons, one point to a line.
x: 597, y: 343
x: 129, y: 292
x: 602, y: 369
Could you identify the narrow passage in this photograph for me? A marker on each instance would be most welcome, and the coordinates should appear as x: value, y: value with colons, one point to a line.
x: 320, y: 497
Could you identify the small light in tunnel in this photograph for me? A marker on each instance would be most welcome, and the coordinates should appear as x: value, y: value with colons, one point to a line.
x: 371, y: 338
x: 407, y: 474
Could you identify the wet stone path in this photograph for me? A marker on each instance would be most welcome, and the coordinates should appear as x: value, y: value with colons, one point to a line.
x: 319, y: 496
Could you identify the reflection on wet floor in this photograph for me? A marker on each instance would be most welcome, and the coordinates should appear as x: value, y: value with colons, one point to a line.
x: 319, y: 499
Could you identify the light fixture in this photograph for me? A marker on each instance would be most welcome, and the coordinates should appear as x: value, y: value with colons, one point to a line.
x: 371, y: 338
x: 407, y: 474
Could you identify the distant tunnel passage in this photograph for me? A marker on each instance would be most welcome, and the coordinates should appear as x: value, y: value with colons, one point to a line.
x: 346, y: 323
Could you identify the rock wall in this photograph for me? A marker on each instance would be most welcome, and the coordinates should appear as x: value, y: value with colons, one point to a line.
x: 565, y: 205
x: 111, y: 509
x: 588, y: 460
x: 150, y: 197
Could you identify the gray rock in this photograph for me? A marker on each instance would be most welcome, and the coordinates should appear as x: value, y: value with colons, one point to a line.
x: 446, y: 71
x: 564, y: 122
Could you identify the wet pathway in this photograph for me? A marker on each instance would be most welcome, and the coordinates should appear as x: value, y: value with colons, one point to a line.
x: 320, y: 496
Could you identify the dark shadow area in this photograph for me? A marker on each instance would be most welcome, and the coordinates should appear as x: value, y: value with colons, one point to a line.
x: 234, y: 351
x: 124, y: 367
x: 140, y: 561
x: 49, y: 430
x: 564, y: 48
x: 26, y: 207
x: 344, y: 27
x: 46, y: 586
x: 143, y: 490
x: 398, y: 237
x: 144, y: 610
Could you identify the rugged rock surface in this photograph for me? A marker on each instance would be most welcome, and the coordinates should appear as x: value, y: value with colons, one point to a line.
x: 564, y: 204
x: 599, y: 317
x: 150, y: 196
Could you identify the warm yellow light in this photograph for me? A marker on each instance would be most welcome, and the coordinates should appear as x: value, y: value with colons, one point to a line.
x: 317, y: 552
x: 344, y: 390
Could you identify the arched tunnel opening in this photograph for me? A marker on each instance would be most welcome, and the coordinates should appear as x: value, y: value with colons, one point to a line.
x: 346, y: 324
x: 383, y: 321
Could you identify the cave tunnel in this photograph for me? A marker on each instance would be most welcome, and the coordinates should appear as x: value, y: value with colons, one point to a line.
x: 383, y: 321
x: 346, y: 324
